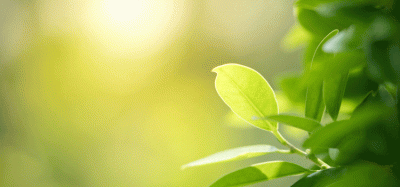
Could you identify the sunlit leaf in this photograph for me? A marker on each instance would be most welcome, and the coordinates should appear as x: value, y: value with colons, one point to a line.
x: 306, y: 124
x: 260, y: 172
x: 247, y: 93
x: 235, y: 154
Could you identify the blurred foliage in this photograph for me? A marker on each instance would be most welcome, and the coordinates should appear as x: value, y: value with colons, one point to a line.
x: 350, y: 84
x: 120, y: 92
x: 364, y: 140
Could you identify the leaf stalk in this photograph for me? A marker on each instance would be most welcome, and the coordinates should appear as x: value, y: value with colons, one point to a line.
x: 294, y: 149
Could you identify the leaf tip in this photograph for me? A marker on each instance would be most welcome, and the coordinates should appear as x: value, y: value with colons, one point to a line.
x: 216, y: 69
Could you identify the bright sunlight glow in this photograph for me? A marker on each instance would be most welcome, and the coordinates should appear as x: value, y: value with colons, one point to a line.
x: 125, y: 10
x: 135, y: 28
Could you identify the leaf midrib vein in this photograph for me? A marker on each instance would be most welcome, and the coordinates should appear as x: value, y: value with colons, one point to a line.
x: 248, y: 100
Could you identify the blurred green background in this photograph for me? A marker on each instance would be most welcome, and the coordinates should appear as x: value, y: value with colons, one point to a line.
x: 121, y: 93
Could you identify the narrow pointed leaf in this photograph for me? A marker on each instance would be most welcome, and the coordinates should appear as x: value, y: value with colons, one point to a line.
x: 346, y: 40
x: 333, y: 91
x: 314, y: 102
x: 247, y: 93
x: 306, y: 124
x: 260, y: 172
x: 314, y: 99
x: 235, y: 154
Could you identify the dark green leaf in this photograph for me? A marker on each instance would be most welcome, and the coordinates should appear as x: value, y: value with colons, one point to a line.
x: 336, y: 4
x: 365, y: 174
x: 317, y: 24
x: 235, y: 154
x: 363, y: 118
x: 247, y: 93
x: 382, y: 52
x: 319, y: 53
x: 333, y: 91
x: 306, y: 124
x: 314, y: 102
x: 321, y: 178
x: 314, y: 99
x: 360, y: 174
x: 259, y: 172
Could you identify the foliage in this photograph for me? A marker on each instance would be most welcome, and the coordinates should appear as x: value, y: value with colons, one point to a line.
x: 352, y: 52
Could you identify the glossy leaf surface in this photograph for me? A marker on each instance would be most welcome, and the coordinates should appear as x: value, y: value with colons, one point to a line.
x: 247, y: 93
x: 234, y: 154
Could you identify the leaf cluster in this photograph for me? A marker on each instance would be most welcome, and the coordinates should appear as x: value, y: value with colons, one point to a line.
x: 351, y: 53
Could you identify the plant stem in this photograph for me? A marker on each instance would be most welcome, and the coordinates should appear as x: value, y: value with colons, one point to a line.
x: 298, y: 151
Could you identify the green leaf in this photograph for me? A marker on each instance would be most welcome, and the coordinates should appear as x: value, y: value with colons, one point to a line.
x: 346, y: 40
x: 332, y: 134
x: 260, y: 172
x: 335, y: 4
x: 340, y: 64
x: 306, y: 124
x: 236, y: 154
x: 319, y: 53
x: 382, y: 52
x: 359, y: 174
x: 333, y: 91
x: 314, y: 99
x: 365, y: 174
x: 321, y: 178
x: 317, y: 24
x: 314, y: 102
x: 247, y: 93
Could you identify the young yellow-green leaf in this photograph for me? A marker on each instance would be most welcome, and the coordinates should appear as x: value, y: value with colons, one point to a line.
x: 333, y: 91
x: 247, y: 93
x: 236, y: 154
x: 306, y: 124
x: 259, y: 172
